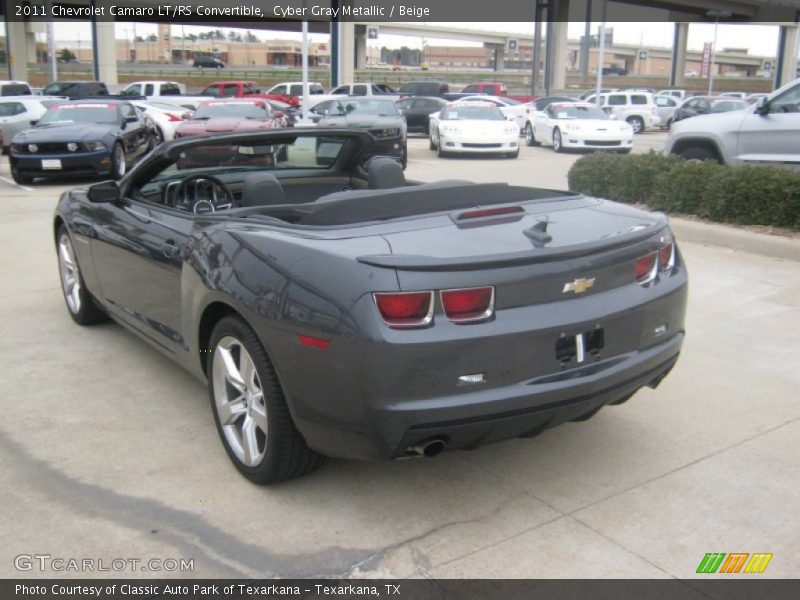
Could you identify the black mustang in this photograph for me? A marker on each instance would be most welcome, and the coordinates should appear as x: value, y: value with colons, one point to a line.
x: 336, y: 308
x: 80, y: 138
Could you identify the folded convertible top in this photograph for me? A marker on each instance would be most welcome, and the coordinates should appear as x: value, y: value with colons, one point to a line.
x: 362, y: 206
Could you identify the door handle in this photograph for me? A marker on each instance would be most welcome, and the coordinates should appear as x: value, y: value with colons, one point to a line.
x: 169, y: 249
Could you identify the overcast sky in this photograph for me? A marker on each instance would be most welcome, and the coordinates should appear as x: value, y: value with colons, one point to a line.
x: 761, y: 40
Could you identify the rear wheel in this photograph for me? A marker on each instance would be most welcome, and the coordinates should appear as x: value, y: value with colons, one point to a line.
x: 431, y: 140
x: 636, y: 123
x: 557, y: 146
x: 250, y: 410
x: 79, y: 301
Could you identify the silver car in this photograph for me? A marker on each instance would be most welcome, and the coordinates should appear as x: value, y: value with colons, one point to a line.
x: 765, y: 133
x: 665, y: 107
x: 17, y: 112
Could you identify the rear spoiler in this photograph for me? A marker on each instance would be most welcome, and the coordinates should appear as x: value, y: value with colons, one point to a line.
x: 413, y: 262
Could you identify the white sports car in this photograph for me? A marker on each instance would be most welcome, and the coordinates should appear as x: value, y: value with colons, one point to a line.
x: 473, y: 127
x: 515, y: 109
x: 579, y: 125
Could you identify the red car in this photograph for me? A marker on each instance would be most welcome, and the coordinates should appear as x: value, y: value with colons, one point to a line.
x: 244, y: 89
x: 231, y: 114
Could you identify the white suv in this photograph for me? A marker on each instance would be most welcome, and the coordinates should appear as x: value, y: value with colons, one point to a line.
x: 765, y: 133
x: 636, y: 108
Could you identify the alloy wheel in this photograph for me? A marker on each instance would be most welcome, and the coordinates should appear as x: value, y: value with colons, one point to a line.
x: 119, y: 160
x: 239, y: 401
x: 70, y: 275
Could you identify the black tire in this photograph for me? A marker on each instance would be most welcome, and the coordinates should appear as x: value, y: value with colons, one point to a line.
x: 159, y: 136
x: 21, y: 179
x: 286, y: 454
x: 557, y: 145
x: 82, y: 307
x: 637, y: 123
x: 530, y: 137
x: 431, y: 145
x: 698, y: 154
x: 513, y: 154
x: 118, y: 168
x: 439, y: 152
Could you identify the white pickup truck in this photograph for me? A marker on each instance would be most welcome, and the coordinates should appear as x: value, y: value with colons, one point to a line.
x: 169, y: 92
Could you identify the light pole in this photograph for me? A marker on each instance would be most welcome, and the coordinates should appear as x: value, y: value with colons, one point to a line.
x: 601, y: 54
x: 716, y: 15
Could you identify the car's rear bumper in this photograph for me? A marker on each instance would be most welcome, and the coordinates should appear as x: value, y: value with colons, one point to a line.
x: 374, y: 398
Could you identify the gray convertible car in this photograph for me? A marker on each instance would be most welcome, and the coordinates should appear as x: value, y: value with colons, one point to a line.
x: 337, y: 309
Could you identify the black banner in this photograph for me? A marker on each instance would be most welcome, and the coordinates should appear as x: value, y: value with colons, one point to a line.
x: 252, y: 12
x: 738, y: 588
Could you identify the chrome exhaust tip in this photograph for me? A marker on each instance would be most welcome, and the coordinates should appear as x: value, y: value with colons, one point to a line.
x: 427, y: 448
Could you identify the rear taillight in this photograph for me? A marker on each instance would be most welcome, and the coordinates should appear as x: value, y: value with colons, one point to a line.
x: 173, y: 117
x: 646, y: 268
x: 405, y: 309
x: 659, y: 263
x: 468, y: 305
x: 666, y: 257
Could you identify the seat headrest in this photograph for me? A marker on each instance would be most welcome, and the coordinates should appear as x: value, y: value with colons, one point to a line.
x: 262, y: 189
x: 384, y: 173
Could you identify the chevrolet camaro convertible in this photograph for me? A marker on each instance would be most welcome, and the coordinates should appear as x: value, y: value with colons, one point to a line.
x: 337, y: 309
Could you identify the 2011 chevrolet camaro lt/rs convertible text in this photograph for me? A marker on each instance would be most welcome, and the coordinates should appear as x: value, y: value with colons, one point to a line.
x: 337, y: 309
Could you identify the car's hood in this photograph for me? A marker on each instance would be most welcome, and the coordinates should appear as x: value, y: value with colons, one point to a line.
x: 64, y: 133
x: 225, y: 124
x: 478, y: 126
x: 595, y: 124
x: 359, y: 121
x: 726, y: 121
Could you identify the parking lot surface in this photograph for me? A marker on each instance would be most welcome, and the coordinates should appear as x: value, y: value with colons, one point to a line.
x: 109, y: 451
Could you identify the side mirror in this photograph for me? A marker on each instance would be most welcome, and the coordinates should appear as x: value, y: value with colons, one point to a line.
x: 34, y: 121
x: 103, y: 192
x: 762, y: 106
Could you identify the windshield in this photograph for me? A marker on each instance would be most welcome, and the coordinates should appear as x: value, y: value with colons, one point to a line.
x: 243, y: 110
x: 80, y: 113
x: 578, y: 112
x: 478, y: 113
x: 59, y: 88
x: 382, y: 108
x: 728, y: 105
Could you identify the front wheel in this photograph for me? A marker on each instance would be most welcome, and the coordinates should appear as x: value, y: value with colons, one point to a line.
x: 80, y: 303
x: 250, y: 409
x: 637, y: 124
x: 698, y: 154
x: 557, y: 145
x: 530, y: 136
x: 21, y: 179
x: 431, y: 141
x: 118, y: 166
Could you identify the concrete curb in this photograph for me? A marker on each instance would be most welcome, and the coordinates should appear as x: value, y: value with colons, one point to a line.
x: 735, y: 239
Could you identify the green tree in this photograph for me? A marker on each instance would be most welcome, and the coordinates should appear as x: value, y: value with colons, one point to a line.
x: 66, y: 55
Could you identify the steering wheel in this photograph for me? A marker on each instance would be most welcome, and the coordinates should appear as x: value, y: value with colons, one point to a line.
x: 209, y: 194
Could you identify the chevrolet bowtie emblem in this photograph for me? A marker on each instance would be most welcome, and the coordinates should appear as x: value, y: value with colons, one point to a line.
x: 578, y: 286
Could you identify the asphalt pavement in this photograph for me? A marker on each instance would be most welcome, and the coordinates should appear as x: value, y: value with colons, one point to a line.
x: 110, y: 451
